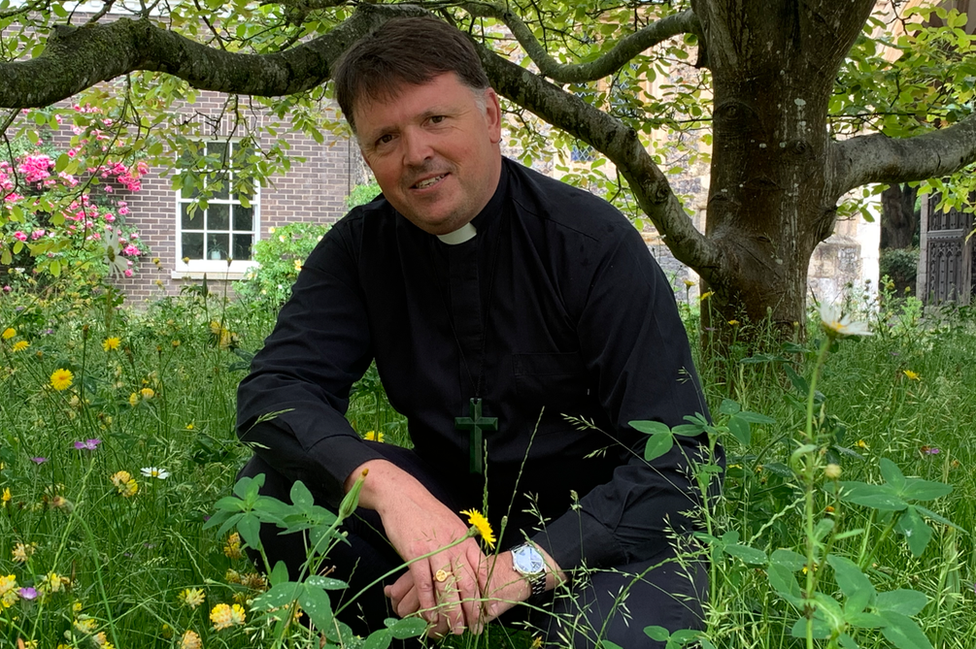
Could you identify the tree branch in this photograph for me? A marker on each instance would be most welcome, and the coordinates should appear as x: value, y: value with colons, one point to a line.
x: 880, y: 159
x: 626, y: 48
x: 75, y: 59
x: 614, y: 139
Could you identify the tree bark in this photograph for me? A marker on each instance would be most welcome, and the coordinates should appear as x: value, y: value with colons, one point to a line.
x: 899, y: 219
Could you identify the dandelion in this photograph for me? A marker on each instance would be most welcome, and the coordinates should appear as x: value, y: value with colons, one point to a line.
x: 8, y: 333
x: 8, y: 591
x: 836, y: 325
x: 154, y: 472
x: 373, y: 436
x: 20, y: 346
x: 22, y: 552
x: 62, y: 379
x: 477, y: 520
x: 689, y: 283
x: 911, y: 375
x: 224, y: 616
x: 88, y: 444
x: 232, y: 549
x: 192, y: 597
x: 111, y: 343
x: 734, y: 323
x: 190, y: 640
x: 147, y: 393
x: 706, y: 295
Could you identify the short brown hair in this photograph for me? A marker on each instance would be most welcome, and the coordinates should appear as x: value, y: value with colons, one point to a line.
x: 404, y: 50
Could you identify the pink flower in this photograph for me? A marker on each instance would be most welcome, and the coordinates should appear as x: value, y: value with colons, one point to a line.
x: 128, y: 272
x: 20, y: 236
x: 88, y: 444
x: 132, y: 251
x: 37, y: 234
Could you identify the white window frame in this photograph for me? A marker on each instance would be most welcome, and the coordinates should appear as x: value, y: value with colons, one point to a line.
x: 216, y: 268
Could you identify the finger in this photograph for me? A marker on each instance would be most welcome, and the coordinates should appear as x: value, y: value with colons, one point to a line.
x: 424, y: 585
x: 400, y: 587
x: 408, y: 604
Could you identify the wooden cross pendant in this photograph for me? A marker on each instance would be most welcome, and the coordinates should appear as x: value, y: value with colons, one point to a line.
x: 474, y: 423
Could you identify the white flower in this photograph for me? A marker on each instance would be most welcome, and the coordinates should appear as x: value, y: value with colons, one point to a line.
x: 837, y: 325
x: 155, y: 472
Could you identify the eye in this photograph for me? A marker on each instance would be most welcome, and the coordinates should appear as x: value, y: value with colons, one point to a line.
x: 384, y: 139
x: 437, y: 119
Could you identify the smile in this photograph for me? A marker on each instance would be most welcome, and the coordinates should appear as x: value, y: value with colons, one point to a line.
x: 424, y: 184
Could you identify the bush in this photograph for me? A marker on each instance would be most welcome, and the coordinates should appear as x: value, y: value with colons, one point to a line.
x: 280, y: 257
x: 901, y: 265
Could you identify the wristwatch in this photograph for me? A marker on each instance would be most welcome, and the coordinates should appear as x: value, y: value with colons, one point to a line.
x: 529, y: 562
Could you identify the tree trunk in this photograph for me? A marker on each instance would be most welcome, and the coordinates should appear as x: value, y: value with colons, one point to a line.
x: 899, y: 220
x: 770, y: 200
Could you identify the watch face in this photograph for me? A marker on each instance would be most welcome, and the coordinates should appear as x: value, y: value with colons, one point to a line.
x: 527, y: 560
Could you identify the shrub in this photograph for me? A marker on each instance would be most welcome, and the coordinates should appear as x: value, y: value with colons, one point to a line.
x: 280, y: 257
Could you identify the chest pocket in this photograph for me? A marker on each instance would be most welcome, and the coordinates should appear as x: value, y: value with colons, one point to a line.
x: 554, y: 380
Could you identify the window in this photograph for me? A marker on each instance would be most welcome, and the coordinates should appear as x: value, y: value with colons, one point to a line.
x: 227, y: 226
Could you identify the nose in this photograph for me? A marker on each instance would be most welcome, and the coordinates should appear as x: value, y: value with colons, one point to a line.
x: 416, y: 148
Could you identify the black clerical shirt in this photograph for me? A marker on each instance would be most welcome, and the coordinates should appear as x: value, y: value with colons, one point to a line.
x: 555, y: 310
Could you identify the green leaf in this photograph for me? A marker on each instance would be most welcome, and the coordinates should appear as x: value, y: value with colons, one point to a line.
x: 865, y: 620
x: 784, y: 582
x: 917, y: 533
x: 316, y: 604
x: 728, y: 407
x: 278, y: 596
x: 606, y: 644
x: 855, y: 585
x: 62, y: 162
x: 937, y: 518
x: 902, y: 601
x: 688, y: 430
x: 657, y: 633
x: 777, y: 468
x: 658, y: 445
x: 892, y: 474
x: 327, y: 583
x: 917, y: 489
x: 903, y: 632
x: 301, y: 496
x: 650, y: 427
x: 279, y: 573
x: 408, y: 627
x: 799, y: 383
x: 821, y: 630
x: 880, y: 497
x: 756, y: 418
x: 378, y: 639
x: 250, y: 528
x: 740, y: 429
x: 847, y: 642
x: 747, y: 553
x: 788, y: 559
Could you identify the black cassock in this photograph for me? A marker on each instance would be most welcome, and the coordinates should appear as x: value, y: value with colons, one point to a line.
x: 555, y: 310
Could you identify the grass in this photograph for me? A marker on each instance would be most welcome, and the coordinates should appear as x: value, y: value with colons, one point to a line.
x: 97, y: 561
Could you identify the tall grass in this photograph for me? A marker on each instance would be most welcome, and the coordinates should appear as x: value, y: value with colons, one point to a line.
x: 81, y: 555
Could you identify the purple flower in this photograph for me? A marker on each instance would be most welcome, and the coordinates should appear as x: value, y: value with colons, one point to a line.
x: 931, y: 450
x: 88, y: 444
x: 28, y: 593
x: 38, y: 460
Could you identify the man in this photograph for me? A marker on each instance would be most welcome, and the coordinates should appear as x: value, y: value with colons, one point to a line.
x: 504, y: 311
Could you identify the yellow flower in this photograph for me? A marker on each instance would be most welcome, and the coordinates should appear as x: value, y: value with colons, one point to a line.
x: 5, y: 498
x: 101, y: 641
x: 124, y: 484
x: 271, y: 229
x: 110, y: 344
x: 373, y: 436
x: 8, y: 591
x: 119, y: 478
x: 133, y: 399
x: 8, y: 333
x: 232, y: 576
x: 176, y: 343
x: 53, y: 582
x: 832, y: 471
x: 481, y: 524
x: 689, y: 283
x: 537, y: 641
x: 147, y: 393
x: 734, y: 323
x: 254, y: 581
x: 22, y: 552
x: 191, y: 640
x: 20, y: 346
x: 233, y: 547
x: 85, y: 624
x: 912, y: 375
x: 224, y: 616
x: 862, y: 444
x: 706, y: 295
x: 192, y: 597
x: 189, y: 426
x: 61, y: 379
x: 298, y: 264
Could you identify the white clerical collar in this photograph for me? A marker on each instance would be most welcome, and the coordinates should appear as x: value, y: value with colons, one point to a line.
x: 465, y: 233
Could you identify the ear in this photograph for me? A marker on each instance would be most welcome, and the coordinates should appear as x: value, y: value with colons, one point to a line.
x: 493, y: 115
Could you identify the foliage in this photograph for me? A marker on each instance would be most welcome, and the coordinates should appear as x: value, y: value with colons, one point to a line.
x: 900, y: 265
x: 68, y: 212
x: 280, y: 257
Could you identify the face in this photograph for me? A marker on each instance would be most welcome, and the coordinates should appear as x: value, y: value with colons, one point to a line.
x: 434, y: 150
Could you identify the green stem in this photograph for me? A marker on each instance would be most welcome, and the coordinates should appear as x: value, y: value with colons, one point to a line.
x: 809, y: 462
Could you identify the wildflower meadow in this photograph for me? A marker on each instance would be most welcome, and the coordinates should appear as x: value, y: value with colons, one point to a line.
x: 845, y: 519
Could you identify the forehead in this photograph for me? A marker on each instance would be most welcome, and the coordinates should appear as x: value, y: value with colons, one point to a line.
x: 406, y: 101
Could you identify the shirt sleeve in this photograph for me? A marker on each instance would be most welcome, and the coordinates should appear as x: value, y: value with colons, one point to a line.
x: 291, y: 407
x: 635, y: 346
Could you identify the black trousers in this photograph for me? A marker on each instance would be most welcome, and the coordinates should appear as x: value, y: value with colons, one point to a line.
x: 613, y: 604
